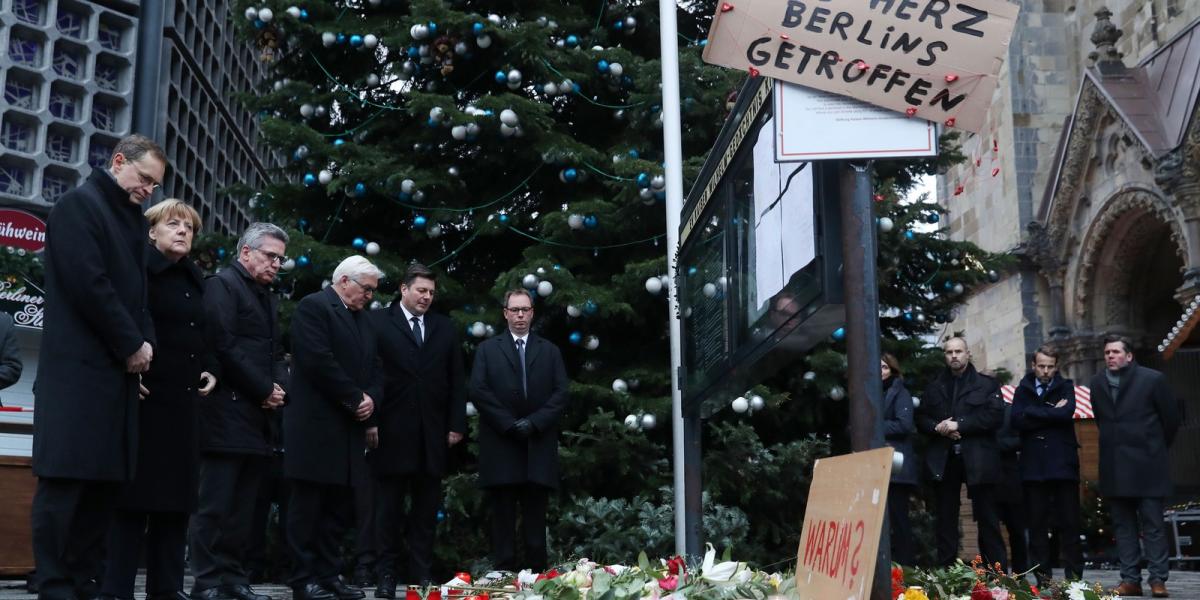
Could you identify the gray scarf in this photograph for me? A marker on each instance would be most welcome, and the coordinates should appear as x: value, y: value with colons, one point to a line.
x: 1114, y: 381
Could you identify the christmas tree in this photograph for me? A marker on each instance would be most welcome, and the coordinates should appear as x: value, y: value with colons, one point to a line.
x: 512, y: 144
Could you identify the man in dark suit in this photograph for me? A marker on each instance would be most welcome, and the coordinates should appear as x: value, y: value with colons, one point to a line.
x: 422, y: 415
x: 1043, y: 412
x: 10, y: 353
x: 1138, y: 418
x: 242, y: 317
x: 335, y: 380
x: 97, y: 340
x: 961, y: 413
x: 519, y: 385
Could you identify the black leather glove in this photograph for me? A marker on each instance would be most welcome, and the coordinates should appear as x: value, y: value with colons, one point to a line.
x: 521, y: 429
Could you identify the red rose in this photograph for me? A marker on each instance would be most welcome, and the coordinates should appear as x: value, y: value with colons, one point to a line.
x: 551, y: 574
x: 980, y: 592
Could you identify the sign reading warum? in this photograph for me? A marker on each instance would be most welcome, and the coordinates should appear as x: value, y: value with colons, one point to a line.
x: 932, y: 59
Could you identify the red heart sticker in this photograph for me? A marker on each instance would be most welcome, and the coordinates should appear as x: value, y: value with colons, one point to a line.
x: 958, y: 190
x: 754, y: 72
x: 862, y: 65
x: 995, y: 171
x: 726, y: 7
x: 950, y: 122
x: 910, y: 111
x: 951, y: 78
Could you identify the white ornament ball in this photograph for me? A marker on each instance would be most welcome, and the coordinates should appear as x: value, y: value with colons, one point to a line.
x: 265, y: 15
x: 666, y: 281
x: 810, y: 376
x: 419, y: 31
x: 710, y: 290
x: 419, y: 196
x: 376, y: 305
x: 320, y: 111
x: 370, y: 41
x: 837, y: 393
x: 378, y: 2
x: 326, y: 283
x: 372, y: 80
x: 757, y: 402
x: 615, y: 69
x: 550, y: 89
x: 632, y: 421
x: 493, y: 18
x: 306, y: 110
x: 472, y: 129
x: 916, y: 401
x: 490, y: 331
x: 328, y: 39
x: 471, y: 410
x: 541, y: 270
x: 654, y: 285
x: 619, y: 386
x: 478, y: 329
x: 436, y: 113
x: 325, y: 176
x: 897, y: 460
x: 649, y: 421
x: 288, y: 265
x: 739, y: 404
x: 723, y: 283
x: 372, y: 248
x: 251, y: 13
x: 408, y: 186
x: 529, y: 281
x: 573, y: 311
x: 575, y: 221
x: 658, y: 182
x: 545, y: 288
x: 514, y: 76
x: 592, y: 342
x: 483, y: 41
x: 434, y: 230
x: 507, y: 131
x: 459, y: 132
x: 293, y: 12
x: 886, y: 224
x: 509, y: 117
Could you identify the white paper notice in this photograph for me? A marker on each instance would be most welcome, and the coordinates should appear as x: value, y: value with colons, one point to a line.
x: 815, y: 125
x: 784, y: 240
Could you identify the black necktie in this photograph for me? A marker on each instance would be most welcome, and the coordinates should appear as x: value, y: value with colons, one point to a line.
x: 416, y: 321
x: 521, y: 359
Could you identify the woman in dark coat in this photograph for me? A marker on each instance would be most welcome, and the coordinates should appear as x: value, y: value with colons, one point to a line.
x: 154, y: 507
x: 898, y: 431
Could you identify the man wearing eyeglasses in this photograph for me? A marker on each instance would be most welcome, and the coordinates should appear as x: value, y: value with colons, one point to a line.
x: 519, y: 385
x: 422, y: 415
x: 242, y: 316
x: 335, y: 382
x: 97, y: 341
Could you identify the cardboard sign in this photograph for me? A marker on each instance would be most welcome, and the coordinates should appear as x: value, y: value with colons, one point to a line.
x: 842, y: 522
x: 933, y: 59
x: 815, y: 125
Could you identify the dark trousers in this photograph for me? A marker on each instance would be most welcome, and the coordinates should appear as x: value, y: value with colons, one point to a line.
x: 220, y: 529
x: 1054, y: 505
x: 165, y: 538
x: 983, y: 508
x: 1129, y: 515
x: 901, y: 526
x: 416, y: 529
x: 318, y: 515
x: 1012, y: 514
x: 272, y: 490
x: 366, y: 550
x: 533, y: 499
x: 70, y: 519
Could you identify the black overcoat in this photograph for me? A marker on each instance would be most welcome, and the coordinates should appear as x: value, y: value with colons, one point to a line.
x: 1049, y: 450
x: 424, y: 396
x: 1135, y: 432
x: 168, y: 452
x: 243, y: 324
x: 86, y: 418
x: 10, y: 353
x: 898, y: 430
x: 975, y: 403
x: 496, y: 392
x: 334, y: 363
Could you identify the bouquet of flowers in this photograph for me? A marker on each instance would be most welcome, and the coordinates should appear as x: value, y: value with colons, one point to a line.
x: 979, y: 581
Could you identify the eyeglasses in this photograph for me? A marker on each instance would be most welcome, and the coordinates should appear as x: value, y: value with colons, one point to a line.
x: 519, y: 309
x: 367, y: 289
x: 271, y: 256
x: 146, y: 180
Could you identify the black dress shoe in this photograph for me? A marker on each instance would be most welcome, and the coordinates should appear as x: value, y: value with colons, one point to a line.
x: 386, y: 587
x: 242, y: 591
x: 312, y: 591
x: 343, y: 591
x: 363, y: 576
x: 212, y: 593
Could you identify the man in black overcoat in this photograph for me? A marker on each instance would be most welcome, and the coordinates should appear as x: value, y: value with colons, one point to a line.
x: 335, y: 379
x: 961, y: 413
x: 97, y: 340
x: 423, y: 414
x: 519, y: 386
x: 242, y: 317
x: 1138, y: 417
x: 10, y: 353
x: 1043, y: 411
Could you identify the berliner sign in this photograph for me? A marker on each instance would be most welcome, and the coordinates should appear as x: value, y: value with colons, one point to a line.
x: 932, y: 59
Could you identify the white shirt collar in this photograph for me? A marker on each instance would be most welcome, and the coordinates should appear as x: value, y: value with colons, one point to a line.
x: 409, y: 316
x: 516, y: 337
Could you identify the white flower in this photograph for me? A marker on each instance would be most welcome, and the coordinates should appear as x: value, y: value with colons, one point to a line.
x: 526, y: 578
x: 721, y: 574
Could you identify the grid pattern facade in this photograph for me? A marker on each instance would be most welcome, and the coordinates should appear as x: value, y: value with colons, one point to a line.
x: 67, y: 82
x: 209, y: 138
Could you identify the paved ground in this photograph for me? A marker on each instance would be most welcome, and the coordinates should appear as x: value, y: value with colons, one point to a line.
x: 1184, y: 585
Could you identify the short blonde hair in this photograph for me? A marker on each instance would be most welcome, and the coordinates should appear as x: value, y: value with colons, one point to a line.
x: 173, y: 208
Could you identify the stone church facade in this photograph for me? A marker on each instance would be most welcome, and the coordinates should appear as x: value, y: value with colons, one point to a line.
x: 1089, y: 171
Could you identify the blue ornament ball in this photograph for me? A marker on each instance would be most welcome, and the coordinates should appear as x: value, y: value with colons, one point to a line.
x: 303, y: 223
x: 909, y: 234
x: 575, y: 337
x: 691, y: 270
x: 259, y: 24
x: 590, y: 307
x: 303, y: 260
x: 634, y: 154
x: 572, y: 40
x: 501, y: 77
x: 432, y: 28
x: 661, y: 195
x: 220, y: 253
x: 360, y: 189
x: 310, y: 180
x: 557, y: 267
x: 405, y: 196
x: 933, y: 218
x: 304, y: 14
x: 643, y: 180
x: 356, y: 40
x: 949, y: 285
x: 839, y: 334
x: 591, y: 222
x: 341, y: 38
x: 908, y: 316
x: 503, y: 218
x: 359, y: 243
x: 441, y: 516
x: 477, y: 28
x: 618, y: 25
x: 570, y: 174
x: 338, y: 142
x: 414, y: 52
x: 419, y: 222
x: 602, y: 66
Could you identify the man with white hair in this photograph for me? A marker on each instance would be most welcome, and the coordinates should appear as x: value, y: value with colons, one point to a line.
x: 335, y: 385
